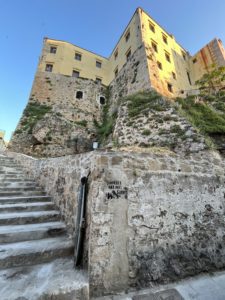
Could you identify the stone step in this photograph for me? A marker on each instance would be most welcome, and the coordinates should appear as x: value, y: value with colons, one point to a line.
x: 56, y: 280
x: 20, y: 188
x: 16, y: 181
x: 13, y: 177
x: 22, y: 184
x: 4, y: 162
x: 35, y: 206
x: 34, y: 252
x: 19, y: 233
x: 10, y: 165
x: 23, y: 199
x: 14, y: 173
x: 29, y: 217
x: 22, y: 193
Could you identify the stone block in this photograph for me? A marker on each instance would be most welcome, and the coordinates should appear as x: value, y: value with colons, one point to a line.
x: 116, y: 160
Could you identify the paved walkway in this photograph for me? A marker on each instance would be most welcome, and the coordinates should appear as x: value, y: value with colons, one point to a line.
x: 204, y: 287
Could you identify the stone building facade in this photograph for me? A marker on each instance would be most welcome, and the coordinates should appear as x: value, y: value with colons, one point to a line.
x: 73, y: 85
x: 170, y: 68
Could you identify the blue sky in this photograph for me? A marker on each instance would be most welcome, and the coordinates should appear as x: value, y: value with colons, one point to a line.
x: 92, y: 24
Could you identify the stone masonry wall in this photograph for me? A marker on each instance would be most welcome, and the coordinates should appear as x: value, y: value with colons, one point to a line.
x: 133, y: 77
x: 155, y: 219
x: 158, y: 123
x: 152, y: 218
x: 55, y: 122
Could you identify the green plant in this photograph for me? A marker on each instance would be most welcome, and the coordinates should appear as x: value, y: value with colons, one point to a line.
x: 177, y: 129
x: 32, y: 114
x: 105, y: 127
x: 146, y: 132
x: 211, y: 81
x: 143, y: 102
x: 202, y: 116
x: 82, y: 123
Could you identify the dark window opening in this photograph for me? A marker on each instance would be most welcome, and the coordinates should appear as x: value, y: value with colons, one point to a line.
x: 165, y: 39
x: 152, y: 27
x: 184, y: 55
x: 128, y: 54
x: 127, y: 36
x: 194, y: 60
x: 159, y: 65
x: 48, y: 67
x: 53, y: 49
x: 174, y: 75
x: 167, y: 57
x: 116, y: 54
x: 189, y: 78
x: 98, y: 64
x: 98, y: 80
x: 78, y: 56
x: 170, y: 87
x: 102, y: 100
x: 79, y: 95
x: 154, y: 46
x: 116, y: 72
x: 76, y: 74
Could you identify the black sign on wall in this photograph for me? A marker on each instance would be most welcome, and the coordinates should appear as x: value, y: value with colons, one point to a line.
x: 116, y: 190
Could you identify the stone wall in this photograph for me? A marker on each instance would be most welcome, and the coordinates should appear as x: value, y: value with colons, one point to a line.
x: 133, y: 77
x: 152, y: 217
x: 55, y: 122
x: 165, y: 221
x: 148, y: 120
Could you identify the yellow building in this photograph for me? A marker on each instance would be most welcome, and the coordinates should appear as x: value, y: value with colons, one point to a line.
x: 170, y: 68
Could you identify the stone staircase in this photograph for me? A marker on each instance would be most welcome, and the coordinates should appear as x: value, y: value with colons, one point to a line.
x: 32, y: 237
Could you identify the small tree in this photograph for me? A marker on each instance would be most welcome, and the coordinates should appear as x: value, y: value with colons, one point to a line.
x: 213, y: 81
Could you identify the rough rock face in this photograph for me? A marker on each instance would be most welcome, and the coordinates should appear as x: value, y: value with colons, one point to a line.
x: 56, y: 120
x: 146, y: 120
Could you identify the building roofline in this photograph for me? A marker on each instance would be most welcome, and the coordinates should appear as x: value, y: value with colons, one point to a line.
x: 217, y: 39
x: 124, y: 31
x: 114, y: 48
x: 47, y: 38
x: 162, y: 28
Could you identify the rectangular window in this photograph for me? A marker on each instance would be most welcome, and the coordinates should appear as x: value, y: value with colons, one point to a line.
x: 116, y: 72
x: 170, y: 87
x: 128, y: 54
x: 116, y: 54
x: 53, y: 49
x: 194, y: 60
x: 98, y: 64
x: 127, y: 35
x: 164, y: 37
x: 154, y: 46
x: 174, y: 75
x: 159, y: 65
x: 189, y: 78
x: 152, y: 27
x: 98, y: 80
x: 76, y: 74
x: 78, y: 56
x: 48, y: 67
x: 184, y: 55
x: 167, y: 56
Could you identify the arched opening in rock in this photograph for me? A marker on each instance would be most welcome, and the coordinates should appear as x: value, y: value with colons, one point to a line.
x: 102, y: 100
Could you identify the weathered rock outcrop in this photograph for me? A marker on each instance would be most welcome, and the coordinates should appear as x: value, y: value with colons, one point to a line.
x: 58, y: 119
